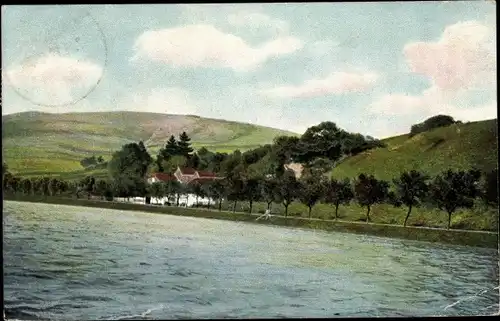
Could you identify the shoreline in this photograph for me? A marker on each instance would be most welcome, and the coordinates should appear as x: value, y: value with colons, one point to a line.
x: 453, y: 236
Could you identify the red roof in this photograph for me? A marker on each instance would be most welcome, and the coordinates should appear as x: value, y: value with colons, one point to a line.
x: 187, y: 171
x: 206, y: 174
x: 163, y: 177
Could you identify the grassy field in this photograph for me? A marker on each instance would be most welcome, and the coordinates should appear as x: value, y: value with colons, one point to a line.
x: 481, y: 217
x: 459, y: 237
x: 53, y: 144
x: 457, y: 147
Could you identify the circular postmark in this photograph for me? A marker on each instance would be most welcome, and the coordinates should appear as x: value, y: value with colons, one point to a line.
x: 60, y: 60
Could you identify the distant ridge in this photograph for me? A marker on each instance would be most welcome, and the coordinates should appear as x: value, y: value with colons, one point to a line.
x: 50, y: 142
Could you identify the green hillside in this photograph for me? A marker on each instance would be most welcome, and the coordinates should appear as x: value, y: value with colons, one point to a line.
x: 37, y: 143
x: 460, y: 146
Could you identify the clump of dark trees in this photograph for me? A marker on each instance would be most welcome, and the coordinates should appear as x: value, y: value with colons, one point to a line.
x: 93, y: 162
x: 432, y: 123
x: 260, y: 175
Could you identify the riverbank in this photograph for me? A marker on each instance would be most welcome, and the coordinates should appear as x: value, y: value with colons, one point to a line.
x: 458, y: 237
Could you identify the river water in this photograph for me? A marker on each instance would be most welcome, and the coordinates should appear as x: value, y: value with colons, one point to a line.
x: 77, y: 263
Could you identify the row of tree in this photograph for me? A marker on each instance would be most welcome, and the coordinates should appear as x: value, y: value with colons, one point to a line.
x: 448, y: 191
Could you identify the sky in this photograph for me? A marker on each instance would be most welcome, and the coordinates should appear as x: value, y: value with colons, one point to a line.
x: 375, y: 68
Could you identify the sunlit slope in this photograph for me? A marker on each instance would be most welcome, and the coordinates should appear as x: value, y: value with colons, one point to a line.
x: 461, y: 146
x: 36, y: 143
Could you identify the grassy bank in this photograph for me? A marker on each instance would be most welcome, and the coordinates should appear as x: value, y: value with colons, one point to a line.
x: 459, y: 237
x: 479, y: 218
x: 458, y: 147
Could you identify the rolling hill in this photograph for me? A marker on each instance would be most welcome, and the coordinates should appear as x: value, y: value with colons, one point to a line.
x: 36, y: 143
x: 460, y: 146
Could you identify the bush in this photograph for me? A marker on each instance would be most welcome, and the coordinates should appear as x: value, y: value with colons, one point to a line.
x: 431, y: 123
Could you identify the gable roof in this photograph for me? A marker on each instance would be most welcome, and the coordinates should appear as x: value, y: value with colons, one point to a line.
x: 163, y: 177
x: 187, y: 171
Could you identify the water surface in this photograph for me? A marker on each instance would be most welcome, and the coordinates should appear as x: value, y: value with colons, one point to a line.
x: 74, y: 263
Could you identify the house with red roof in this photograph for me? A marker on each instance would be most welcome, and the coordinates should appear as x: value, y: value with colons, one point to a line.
x: 186, y: 176
x: 160, y: 177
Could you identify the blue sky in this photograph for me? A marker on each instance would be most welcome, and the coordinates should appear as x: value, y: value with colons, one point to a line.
x: 374, y: 68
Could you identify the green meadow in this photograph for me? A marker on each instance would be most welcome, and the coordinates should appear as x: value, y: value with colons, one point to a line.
x: 53, y: 144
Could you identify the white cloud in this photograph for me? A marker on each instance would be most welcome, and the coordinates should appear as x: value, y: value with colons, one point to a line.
x: 257, y: 21
x: 395, y: 104
x: 431, y: 102
x: 321, y: 48
x: 462, y: 61
x: 53, y: 79
x: 204, y: 45
x: 464, y: 57
x: 334, y: 84
x: 475, y: 113
x: 160, y: 100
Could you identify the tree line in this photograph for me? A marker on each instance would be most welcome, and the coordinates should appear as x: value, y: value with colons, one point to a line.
x: 448, y: 191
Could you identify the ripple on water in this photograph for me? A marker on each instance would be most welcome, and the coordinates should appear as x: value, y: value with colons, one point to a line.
x: 95, y: 263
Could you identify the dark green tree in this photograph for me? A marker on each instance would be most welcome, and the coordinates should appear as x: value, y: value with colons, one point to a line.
x: 288, y: 189
x: 172, y: 147
x: 207, y: 191
x: 234, y: 190
x: 37, y: 185
x: 268, y: 191
x: 251, y: 191
x: 197, y: 189
x: 283, y: 151
x: 205, y: 157
x: 323, y: 140
x: 128, y: 168
x: 193, y: 161
x: 12, y: 183
x: 158, y: 190
x: 369, y: 191
x: 232, y: 166
x: 165, y: 154
x: 88, y: 185
x: 311, y: 190
x: 431, y: 123
x: 27, y: 186
x: 338, y: 192
x: 101, y: 188
x: 217, y: 191
x: 452, y: 190
x: 184, y: 145
x: 174, y: 189
x: 490, y: 188
x: 215, y: 162
x: 54, y: 185
x: 411, y: 190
